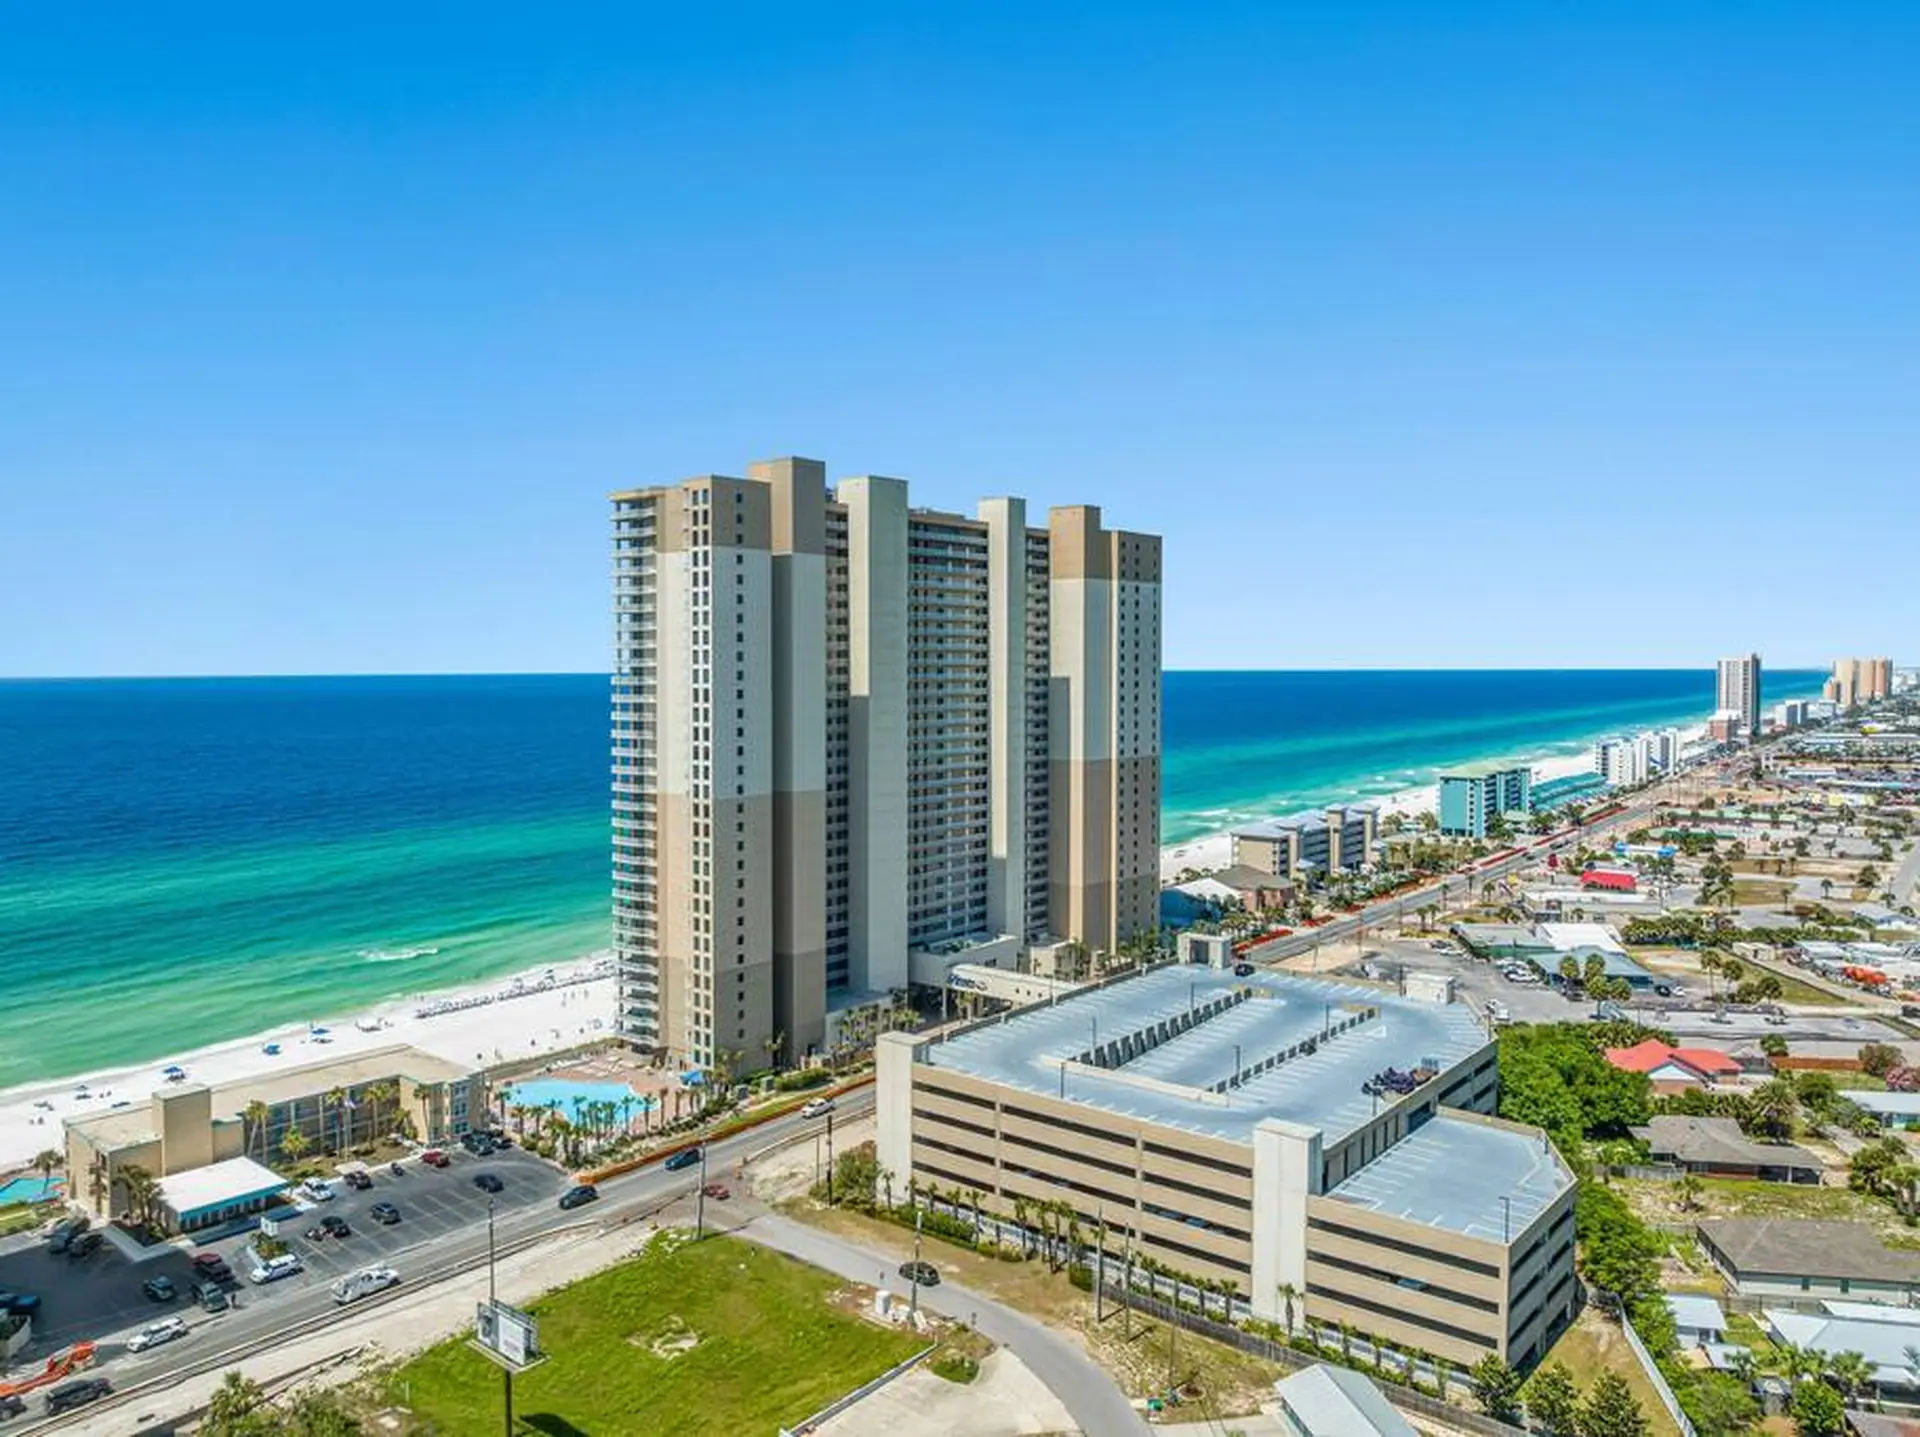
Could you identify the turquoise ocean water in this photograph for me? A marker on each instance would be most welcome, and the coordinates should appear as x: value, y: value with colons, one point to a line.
x: 184, y: 862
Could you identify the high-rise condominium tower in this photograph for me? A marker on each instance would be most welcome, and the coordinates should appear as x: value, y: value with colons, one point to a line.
x: 1859, y: 681
x: 1738, y: 691
x: 844, y: 729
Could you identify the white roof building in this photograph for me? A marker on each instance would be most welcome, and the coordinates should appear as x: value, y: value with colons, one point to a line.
x: 1325, y: 1401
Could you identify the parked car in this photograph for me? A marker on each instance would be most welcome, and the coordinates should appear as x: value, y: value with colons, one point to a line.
x: 212, y: 1267
x: 159, y: 1289
x: 78, y: 1393
x: 156, y: 1333
x: 20, y: 1304
x: 10, y: 1407
x: 384, y: 1213
x: 488, y: 1183
x: 317, y: 1190
x: 275, y: 1268
x: 924, y: 1273
x: 66, y: 1230
x: 719, y: 1192
x: 685, y: 1158
x: 1243, y: 970
x: 85, y: 1244
x: 579, y: 1196
x: 434, y: 1158
x: 358, y: 1181
x: 329, y: 1227
x: 818, y: 1108
x: 211, y: 1296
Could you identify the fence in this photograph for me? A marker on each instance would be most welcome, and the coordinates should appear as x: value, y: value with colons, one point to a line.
x: 865, y: 1389
x: 1656, y: 1377
x: 1281, y: 1355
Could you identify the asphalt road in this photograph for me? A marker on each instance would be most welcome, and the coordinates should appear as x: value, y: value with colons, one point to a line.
x: 1097, y: 1405
x: 443, y: 1228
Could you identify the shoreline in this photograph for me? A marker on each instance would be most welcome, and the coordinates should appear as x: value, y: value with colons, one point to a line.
x: 1211, y: 851
x: 538, y: 1010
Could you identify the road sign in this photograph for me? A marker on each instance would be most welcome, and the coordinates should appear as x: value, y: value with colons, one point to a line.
x: 508, y: 1335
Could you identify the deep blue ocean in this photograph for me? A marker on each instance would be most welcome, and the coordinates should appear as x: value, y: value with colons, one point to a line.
x: 188, y: 861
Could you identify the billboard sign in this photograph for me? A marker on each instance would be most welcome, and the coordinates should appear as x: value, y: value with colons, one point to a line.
x: 510, y: 1336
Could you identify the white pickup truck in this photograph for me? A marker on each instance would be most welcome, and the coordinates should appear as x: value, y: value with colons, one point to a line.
x: 364, y: 1283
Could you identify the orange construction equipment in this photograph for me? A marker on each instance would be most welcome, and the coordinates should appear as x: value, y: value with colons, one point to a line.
x: 64, y: 1363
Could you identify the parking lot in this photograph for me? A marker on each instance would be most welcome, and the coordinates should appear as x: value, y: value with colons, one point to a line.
x: 99, y: 1295
x: 1476, y: 982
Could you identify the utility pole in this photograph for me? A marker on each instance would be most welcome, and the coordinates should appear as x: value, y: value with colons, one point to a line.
x: 913, y: 1300
x: 829, y: 1157
x: 700, y: 1202
x: 1099, y: 1264
x: 490, y: 1287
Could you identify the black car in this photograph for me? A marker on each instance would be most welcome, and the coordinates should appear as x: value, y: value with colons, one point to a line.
x: 384, y: 1213
x: 84, y: 1244
x: 685, y: 1158
x: 11, y: 1407
x: 22, y: 1304
x: 488, y: 1183
x: 69, y: 1395
x: 577, y: 1196
x: 336, y: 1227
x: 923, y: 1273
x: 66, y: 1231
x: 358, y: 1181
x: 1243, y: 970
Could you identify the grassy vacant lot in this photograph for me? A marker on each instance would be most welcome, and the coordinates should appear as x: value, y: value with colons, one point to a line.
x: 1594, y: 1345
x: 717, y: 1337
x: 1753, y: 891
x: 1658, y: 1201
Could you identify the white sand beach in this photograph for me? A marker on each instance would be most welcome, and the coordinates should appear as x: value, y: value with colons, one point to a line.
x: 539, y: 1010
x: 1215, y: 850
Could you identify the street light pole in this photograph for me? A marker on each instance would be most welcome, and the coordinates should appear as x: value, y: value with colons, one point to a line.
x: 913, y: 1301
x: 490, y: 1286
x: 700, y: 1203
x: 829, y: 1157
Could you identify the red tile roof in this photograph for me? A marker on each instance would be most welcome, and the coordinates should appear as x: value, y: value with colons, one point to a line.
x: 1644, y: 1057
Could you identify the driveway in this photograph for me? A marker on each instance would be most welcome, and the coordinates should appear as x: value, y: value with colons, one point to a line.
x: 1097, y: 1405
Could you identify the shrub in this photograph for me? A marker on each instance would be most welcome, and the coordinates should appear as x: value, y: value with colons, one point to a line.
x: 1081, y: 1276
x: 804, y: 1078
x: 955, y: 1367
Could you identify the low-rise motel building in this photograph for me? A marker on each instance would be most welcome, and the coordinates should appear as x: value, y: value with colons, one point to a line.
x: 1317, y: 1146
x: 210, y: 1147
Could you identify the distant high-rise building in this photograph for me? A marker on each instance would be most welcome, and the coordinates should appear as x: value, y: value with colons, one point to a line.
x: 845, y: 729
x: 1623, y: 762
x: 1738, y: 691
x: 1859, y: 681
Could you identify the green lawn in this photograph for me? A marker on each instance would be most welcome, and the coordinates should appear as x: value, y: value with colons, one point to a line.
x: 23, y: 1217
x: 718, y: 1337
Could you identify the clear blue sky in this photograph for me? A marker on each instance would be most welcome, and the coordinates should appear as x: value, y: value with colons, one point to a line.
x: 321, y: 341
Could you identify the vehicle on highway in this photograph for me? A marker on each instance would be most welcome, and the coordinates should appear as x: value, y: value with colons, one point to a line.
x: 275, y: 1268
x: 358, y: 1180
x: 212, y: 1267
x: 719, y: 1192
x: 20, y: 1304
x: 577, y: 1196
x: 11, y: 1406
x: 159, y: 1289
x: 211, y: 1296
x: 488, y: 1183
x: 364, y: 1283
x: 434, y: 1158
x: 85, y: 1244
x: 924, y: 1273
x: 818, y: 1108
x: 384, y: 1213
x: 155, y: 1334
x: 685, y: 1158
x: 317, y: 1190
x: 66, y: 1230
x: 69, y: 1395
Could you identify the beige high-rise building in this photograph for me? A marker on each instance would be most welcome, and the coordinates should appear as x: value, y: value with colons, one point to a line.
x: 1859, y: 681
x: 1737, y: 691
x: 845, y: 730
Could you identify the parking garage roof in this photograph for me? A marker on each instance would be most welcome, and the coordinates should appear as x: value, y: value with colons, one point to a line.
x: 1479, y: 1179
x: 1264, y: 1015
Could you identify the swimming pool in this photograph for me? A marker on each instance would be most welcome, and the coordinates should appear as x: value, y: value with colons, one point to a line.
x: 21, y: 1190
x: 561, y: 1094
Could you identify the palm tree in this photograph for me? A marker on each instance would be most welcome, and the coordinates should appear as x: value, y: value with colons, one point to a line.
x: 140, y: 1186
x: 293, y: 1144
x: 378, y: 1095
x: 1688, y: 1192
x: 1289, y: 1294
x: 1850, y: 1372
x: 1775, y: 1105
x: 337, y: 1100
x: 254, y: 1119
x: 44, y: 1163
x: 774, y: 1043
